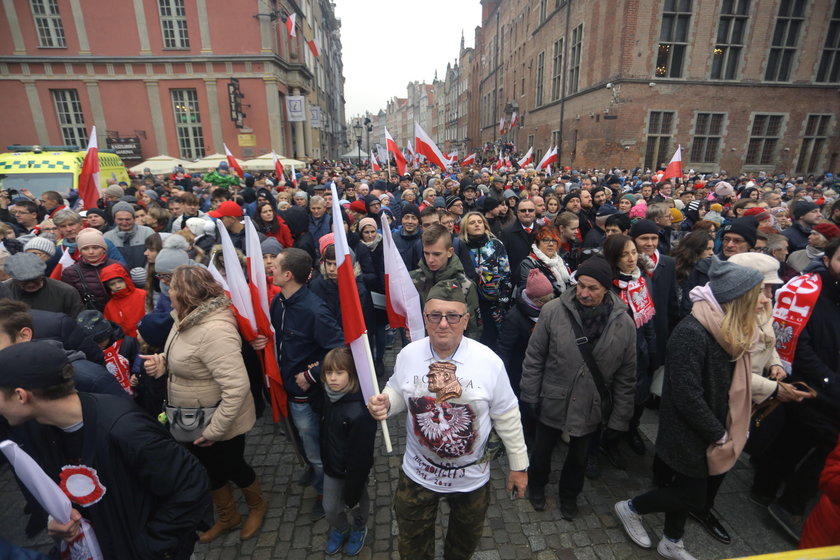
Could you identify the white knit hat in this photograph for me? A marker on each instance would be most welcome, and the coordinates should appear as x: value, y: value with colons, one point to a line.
x: 40, y: 244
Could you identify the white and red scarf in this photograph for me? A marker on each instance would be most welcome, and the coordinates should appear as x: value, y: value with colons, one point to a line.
x: 635, y: 294
x: 118, y: 366
x: 794, y: 303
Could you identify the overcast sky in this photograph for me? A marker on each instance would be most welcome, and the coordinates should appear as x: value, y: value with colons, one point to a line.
x: 385, y: 45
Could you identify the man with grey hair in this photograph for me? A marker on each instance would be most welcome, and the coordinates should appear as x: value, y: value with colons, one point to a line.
x: 128, y: 236
x: 69, y: 224
x: 320, y: 221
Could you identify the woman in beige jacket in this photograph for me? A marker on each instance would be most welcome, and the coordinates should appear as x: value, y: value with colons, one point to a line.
x: 203, y: 357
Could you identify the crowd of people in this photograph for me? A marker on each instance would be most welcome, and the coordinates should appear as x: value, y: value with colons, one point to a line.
x: 558, y: 307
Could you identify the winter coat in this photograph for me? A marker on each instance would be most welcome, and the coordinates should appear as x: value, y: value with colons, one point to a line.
x: 663, y: 290
x: 406, y: 245
x: 131, y: 244
x: 555, y: 376
x: 699, y: 276
x: 55, y: 296
x: 823, y: 525
x: 424, y: 279
x: 305, y: 331
x: 327, y: 290
x: 347, y: 435
x: 126, y: 307
x: 225, y: 181
x: 204, y: 361
x: 797, y: 237
x: 320, y: 227
x: 157, y: 494
x: 85, y: 278
x: 518, y: 242
x: 532, y: 262
x: 492, y: 269
x: 695, y: 398
x: 47, y: 325
x: 513, y: 339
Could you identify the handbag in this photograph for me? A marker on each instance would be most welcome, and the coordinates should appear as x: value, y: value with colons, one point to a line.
x: 585, y: 345
x: 186, y: 424
x: 765, y: 426
x: 88, y: 297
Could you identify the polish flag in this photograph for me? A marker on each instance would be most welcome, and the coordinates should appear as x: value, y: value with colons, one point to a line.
x: 469, y: 159
x: 674, y: 169
x: 290, y: 25
x: 89, y: 179
x: 394, y: 149
x: 402, y: 301
x: 502, y: 125
x: 452, y: 156
x: 512, y: 120
x: 552, y: 157
x: 427, y: 147
x: 352, y: 320
x: 314, y: 47
x: 236, y: 287
x: 278, y: 167
x: 529, y: 157
x: 65, y: 261
x: 500, y: 162
x: 373, y: 163
x: 545, y: 159
x: 294, y: 177
x: 259, y: 296
x: 232, y: 163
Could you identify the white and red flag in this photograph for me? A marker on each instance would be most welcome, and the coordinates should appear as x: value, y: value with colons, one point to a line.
x: 402, y: 301
x: 290, y: 25
x: 258, y: 286
x: 278, y: 167
x: 373, y: 163
x: 352, y: 319
x: 424, y: 145
x: 452, y: 156
x: 314, y: 46
x: 90, y: 180
x: 552, y: 158
x: 235, y: 286
x: 512, y: 121
x: 232, y: 163
x: 500, y: 162
x: 545, y: 159
x: 66, y: 261
x: 674, y: 169
x: 394, y: 149
x: 502, y: 125
x: 469, y: 159
x: 294, y: 176
x: 529, y: 157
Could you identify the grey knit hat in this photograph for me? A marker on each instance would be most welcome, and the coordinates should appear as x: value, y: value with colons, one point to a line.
x: 40, y: 244
x: 172, y: 255
x: 730, y: 281
x: 116, y: 191
x: 271, y: 246
x: 122, y: 207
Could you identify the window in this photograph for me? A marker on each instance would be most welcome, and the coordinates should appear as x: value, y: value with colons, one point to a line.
x: 813, y: 143
x: 48, y: 23
x: 730, y: 39
x: 764, y: 137
x: 708, y: 129
x: 785, y: 39
x: 540, y: 78
x: 660, y: 127
x: 188, y: 123
x: 673, y: 38
x: 555, y: 138
x: 173, y: 24
x: 71, y: 120
x: 557, y: 69
x: 829, y: 70
x: 574, y: 59
x: 542, y: 10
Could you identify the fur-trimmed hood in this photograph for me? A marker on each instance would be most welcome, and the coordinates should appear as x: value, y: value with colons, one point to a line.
x: 201, y: 312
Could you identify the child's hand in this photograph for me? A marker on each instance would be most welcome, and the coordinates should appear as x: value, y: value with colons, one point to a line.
x: 134, y: 381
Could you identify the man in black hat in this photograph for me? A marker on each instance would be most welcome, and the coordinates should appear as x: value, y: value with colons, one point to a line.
x: 454, y: 390
x: 144, y: 495
x: 805, y: 215
x: 738, y: 236
x: 559, y: 389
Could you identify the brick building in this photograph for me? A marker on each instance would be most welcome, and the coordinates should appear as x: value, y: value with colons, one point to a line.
x: 742, y: 85
x: 180, y: 76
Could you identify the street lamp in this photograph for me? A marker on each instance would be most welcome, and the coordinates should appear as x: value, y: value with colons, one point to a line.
x: 369, y: 129
x: 358, y: 128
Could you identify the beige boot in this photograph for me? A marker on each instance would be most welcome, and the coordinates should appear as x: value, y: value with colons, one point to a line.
x: 227, y: 517
x: 257, y: 508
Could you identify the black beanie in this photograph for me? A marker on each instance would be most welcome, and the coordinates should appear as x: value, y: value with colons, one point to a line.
x: 411, y: 209
x: 598, y: 268
x: 570, y: 196
x: 489, y: 203
x: 745, y: 227
x: 642, y: 227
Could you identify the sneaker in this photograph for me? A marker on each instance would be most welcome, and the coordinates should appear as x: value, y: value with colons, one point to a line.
x: 307, y: 477
x: 709, y: 522
x: 336, y: 540
x: 637, y: 444
x: 536, y: 496
x: 593, y: 468
x: 792, y: 524
x: 355, y: 542
x: 674, y: 550
x: 317, y: 510
x: 568, y: 508
x: 632, y: 523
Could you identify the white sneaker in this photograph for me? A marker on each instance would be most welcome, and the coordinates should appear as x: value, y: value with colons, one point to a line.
x: 632, y: 523
x: 674, y: 550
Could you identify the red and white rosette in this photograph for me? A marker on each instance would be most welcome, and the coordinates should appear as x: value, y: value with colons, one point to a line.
x: 81, y: 484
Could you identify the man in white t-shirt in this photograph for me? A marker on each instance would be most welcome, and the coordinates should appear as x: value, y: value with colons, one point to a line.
x: 455, y: 391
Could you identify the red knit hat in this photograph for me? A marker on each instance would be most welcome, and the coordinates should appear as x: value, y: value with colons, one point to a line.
x: 537, y: 285
x: 827, y: 230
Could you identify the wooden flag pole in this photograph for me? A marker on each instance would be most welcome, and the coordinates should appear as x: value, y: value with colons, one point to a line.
x: 386, y: 435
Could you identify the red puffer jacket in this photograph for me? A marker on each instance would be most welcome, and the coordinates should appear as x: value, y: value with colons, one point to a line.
x: 823, y: 525
x: 127, y: 306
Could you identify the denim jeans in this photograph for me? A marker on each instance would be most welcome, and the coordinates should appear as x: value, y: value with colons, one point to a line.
x: 309, y: 427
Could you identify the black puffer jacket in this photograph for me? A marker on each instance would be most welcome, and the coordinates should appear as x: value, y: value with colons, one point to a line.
x: 347, y: 434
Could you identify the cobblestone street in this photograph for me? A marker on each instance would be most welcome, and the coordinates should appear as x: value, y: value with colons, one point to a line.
x: 513, y: 529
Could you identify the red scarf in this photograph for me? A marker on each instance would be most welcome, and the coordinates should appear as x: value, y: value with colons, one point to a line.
x: 794, y: 303
x: 637, y: 297
x: 118, y: 365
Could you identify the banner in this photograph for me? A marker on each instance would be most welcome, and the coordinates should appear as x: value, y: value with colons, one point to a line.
x: 296, y: 108
x: 315, y: 117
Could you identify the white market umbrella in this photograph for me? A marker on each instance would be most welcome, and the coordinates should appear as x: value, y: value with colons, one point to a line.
x: 159, y: 165
x: 266, y: 163
x: 209, y: 162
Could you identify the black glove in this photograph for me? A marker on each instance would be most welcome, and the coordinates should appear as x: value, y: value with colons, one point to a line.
x: 531, y: 410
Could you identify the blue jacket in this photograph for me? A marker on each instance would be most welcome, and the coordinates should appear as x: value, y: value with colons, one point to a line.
x: 305, y: 331
x: 407, y: 246
x: 320, y: 227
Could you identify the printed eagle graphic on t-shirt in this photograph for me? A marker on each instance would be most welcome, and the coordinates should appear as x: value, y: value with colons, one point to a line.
x: 447, y: 428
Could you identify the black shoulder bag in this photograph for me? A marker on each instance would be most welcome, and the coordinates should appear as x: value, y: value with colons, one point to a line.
x: 585, y: 347
x: 88, y: 297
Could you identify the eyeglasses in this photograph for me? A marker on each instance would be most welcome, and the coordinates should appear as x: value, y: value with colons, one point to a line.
x: 736, y: 240
x: 451, y: 318
x: 527, y: 210
x: 549, y: 240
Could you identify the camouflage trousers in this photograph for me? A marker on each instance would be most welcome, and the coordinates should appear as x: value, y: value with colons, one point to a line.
x: 416, y: 510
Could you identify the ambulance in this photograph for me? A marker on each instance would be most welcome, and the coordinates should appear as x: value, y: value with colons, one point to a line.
x: 53, y: 168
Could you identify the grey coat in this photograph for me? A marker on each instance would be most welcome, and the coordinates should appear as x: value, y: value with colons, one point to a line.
x: 695, y: 398
x: 555, y: 376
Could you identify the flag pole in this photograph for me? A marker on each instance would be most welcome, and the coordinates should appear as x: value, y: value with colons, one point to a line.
x: 386, y: 435
x: 388, y: 158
